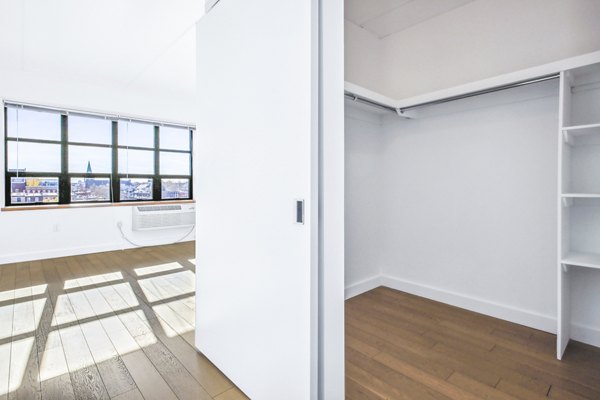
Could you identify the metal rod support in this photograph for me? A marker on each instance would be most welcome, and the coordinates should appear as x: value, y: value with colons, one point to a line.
x: 359, y: 99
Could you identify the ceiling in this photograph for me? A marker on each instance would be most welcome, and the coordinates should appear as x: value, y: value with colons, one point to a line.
x: 385, y: 17
x: 131, y: 44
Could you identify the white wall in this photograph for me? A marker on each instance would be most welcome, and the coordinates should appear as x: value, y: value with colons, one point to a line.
x: 470, y: 199
x: 461, y: 208
x: 363, y: 235
x: 28, y: 235
x: 482, y: 39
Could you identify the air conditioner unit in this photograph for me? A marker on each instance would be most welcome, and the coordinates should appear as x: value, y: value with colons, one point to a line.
x: 163, y: 216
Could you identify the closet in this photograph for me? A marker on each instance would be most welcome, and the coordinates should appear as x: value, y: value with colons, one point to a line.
x: 451, y: 194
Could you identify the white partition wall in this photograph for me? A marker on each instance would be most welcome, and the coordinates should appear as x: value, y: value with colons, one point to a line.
x: 256, y: 141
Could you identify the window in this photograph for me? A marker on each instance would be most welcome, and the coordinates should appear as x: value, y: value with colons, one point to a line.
x: 60, y: 157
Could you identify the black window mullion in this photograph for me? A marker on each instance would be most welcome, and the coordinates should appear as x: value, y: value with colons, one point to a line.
x: 6, y: 175
x: 64, y: 192
x: 115, y: 180
x: 156, y: 178
x: 191, y: 182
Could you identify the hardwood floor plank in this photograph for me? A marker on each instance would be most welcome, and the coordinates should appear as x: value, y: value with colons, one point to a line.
x: 150, y: 383
x: 132, y: 395
x: 54, y: 374
x: 211, y: 379
x: 478, y: 389
x: 386, y: 381
x: 7, y: 285
x: 24, y: 380
x: 355, y: 391
x: 232, y: 394
x: 174, y: 373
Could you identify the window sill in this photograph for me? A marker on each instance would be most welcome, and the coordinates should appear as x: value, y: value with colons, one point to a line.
x: 92, y: 205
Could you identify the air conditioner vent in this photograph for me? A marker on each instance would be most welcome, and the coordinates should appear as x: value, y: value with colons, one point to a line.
x: 163, y: 216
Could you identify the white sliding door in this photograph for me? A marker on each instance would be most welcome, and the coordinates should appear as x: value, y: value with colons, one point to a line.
x: 256, y: 157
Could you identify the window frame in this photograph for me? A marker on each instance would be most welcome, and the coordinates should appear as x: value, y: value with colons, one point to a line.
x: 64, y: 176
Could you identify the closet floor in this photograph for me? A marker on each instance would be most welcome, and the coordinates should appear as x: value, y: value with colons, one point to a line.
x: 400, y: 346
x: 114, y: 325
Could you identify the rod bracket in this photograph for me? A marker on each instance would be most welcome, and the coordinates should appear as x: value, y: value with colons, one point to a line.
x: 403, y: 114
x: 565, y: 268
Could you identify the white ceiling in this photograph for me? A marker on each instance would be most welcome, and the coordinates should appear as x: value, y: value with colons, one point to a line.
x: 146, y: 44
x: 385, y: 17
x: 132, y: 43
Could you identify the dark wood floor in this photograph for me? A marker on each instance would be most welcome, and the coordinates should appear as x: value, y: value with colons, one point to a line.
x: 400, y: 346
x: 115, y: 325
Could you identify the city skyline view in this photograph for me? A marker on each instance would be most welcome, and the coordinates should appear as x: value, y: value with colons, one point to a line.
x: 27, y: 190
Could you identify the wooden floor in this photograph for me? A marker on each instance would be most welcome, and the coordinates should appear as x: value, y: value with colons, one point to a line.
x: 119, y: 325
x: 400, y: 346
x: 116, y: 325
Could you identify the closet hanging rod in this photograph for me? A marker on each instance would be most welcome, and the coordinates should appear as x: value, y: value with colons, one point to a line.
x: 401, y: 110
x: 482, y: 91
x: 360, y: 99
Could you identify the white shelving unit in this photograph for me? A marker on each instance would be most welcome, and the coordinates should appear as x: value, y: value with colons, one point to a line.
x: 579, y: 185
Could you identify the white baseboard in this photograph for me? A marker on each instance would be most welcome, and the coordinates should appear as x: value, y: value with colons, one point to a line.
x: 585, y: 334
x: 363, y: 286
x: 66, y: 252
x: 581, y: 333
x: 482, y: 306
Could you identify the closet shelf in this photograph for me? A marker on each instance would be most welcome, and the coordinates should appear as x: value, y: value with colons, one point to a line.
x: 580, y: 259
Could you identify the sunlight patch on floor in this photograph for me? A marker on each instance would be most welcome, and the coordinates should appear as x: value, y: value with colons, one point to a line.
x: 93, y: 280
x: 76, y: 306
x: 27, y: 316
x: 4, y: 367
x: 166, y: 286
x: 157, y: 268
x: 93, y: 342
x: 53, y: 363
x: 171, y: 322
x: 20, y: 353
x: 20, y: 293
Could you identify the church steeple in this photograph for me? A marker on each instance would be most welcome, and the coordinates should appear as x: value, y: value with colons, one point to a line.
x: 89, y: 168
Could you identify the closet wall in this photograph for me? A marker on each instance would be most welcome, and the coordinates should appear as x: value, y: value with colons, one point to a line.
x: 469, y: 199
x: 363, y: 179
